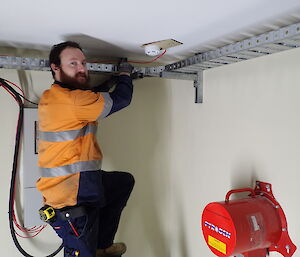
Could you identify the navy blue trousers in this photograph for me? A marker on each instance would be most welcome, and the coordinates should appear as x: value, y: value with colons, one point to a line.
x: 104, y: 195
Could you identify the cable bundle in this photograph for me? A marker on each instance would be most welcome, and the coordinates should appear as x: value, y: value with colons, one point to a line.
x: 34, y: 231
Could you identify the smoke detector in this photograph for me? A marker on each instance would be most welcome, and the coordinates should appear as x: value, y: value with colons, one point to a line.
x: 152, y: 50
x: 155, y: 48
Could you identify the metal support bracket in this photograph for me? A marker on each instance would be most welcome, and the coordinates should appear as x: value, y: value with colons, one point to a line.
x: 21, y: 63
x: 267, y: 43
x: 198, y: 84
x: 191, y: 68
x: 178, y: 75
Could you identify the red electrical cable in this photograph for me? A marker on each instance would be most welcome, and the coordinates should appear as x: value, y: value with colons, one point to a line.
x: 149, y: 61
x: 9, y: 92
x: 129, y: 61
x: 15, y: 86
x: 33, y: 230
x: 105, y: 61
x: 27, y: 230
x: 31, y: 236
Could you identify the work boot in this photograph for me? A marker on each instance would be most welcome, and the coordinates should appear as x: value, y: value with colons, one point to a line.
x: 116, y: 249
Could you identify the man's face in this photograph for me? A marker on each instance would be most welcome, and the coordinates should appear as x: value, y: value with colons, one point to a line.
x: 72, y: 69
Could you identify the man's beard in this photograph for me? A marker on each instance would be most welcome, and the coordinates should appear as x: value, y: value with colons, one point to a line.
x: 75, y: 82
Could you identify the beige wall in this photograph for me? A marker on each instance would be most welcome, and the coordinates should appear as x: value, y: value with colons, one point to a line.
x: 185, y: 155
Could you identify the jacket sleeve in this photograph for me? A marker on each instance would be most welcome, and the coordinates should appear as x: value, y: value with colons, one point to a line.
x: 120, y: 97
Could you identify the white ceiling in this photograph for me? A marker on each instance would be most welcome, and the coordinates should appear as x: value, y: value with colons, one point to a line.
x: 119, y: 28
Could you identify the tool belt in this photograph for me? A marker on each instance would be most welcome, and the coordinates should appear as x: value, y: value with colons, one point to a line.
x: 49, y: 214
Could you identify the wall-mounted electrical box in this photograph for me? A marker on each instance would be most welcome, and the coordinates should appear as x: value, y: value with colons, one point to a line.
x: 29, y: 172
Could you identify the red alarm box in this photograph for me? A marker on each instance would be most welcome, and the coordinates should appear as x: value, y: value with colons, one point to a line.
x: 249, y: 227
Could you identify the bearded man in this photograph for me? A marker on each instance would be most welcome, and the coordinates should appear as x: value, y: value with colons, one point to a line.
x: 87, y: 201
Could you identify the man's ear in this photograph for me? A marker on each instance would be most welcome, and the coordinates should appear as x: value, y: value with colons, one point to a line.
x: 56, y: 70
x: 54, y: 67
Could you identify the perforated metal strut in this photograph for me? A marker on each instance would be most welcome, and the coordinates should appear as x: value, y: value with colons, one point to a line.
x: 191, y: 68
x: 271, y: 42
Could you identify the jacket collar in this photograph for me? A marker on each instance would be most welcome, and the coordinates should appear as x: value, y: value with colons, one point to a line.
x: 68, y: 86
x: 64, y: 85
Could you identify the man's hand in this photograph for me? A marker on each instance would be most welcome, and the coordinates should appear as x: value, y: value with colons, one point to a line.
x: 125, y: 68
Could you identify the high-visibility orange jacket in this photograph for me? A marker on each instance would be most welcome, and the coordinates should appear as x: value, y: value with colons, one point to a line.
x: 68, y: 121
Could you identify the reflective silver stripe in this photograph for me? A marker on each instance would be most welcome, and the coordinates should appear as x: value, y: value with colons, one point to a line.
x: 108, y: 103
x: 68, y: 135
x: 70, y: 169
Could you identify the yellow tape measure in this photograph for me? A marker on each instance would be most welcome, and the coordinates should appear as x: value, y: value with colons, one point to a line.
x: 47, y: 213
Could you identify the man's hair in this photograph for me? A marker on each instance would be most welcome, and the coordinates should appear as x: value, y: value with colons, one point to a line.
x: 54, y: 56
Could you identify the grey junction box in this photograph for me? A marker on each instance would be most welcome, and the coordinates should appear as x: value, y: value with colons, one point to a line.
x: 29, y: 173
